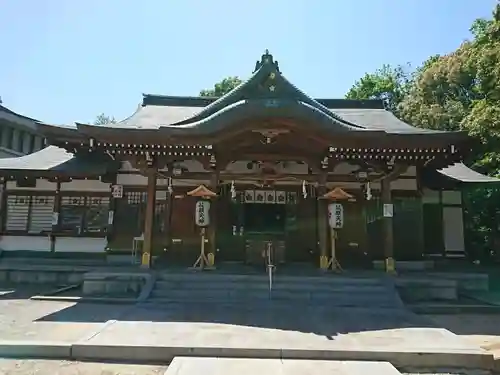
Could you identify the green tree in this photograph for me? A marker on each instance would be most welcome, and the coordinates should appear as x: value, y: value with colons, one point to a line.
x: 103, y: 119
x: 456, y: 91
x: 221, y: 88
x: 461, y: 91
x: 388, y: 83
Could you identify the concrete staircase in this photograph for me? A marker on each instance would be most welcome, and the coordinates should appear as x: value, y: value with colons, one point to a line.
x: 325, y: 291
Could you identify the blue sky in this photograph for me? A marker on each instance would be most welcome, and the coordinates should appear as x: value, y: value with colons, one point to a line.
x: 69, y: 60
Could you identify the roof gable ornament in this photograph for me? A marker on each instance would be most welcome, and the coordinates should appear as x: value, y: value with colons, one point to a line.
x: 266, y: 59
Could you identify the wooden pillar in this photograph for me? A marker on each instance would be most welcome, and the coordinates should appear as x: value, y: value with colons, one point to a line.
x: 149, y: 218
x: 111, y: 213
x: 3, y: 204
x: 322, y: 221
x: 168, y: 217
x: 55, y: 216
x: 387, y: 225
x: 212, y: 228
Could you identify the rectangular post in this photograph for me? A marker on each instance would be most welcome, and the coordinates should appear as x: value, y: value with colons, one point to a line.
x: 387, y: 225
x: 56, y: 213
x: 322, y: 222
x: 212, y: 228
x: 3, y: 204
x: 149, y: 218
x: 111, y: 213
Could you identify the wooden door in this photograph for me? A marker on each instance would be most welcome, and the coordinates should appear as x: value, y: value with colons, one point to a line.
x: 351, y: 243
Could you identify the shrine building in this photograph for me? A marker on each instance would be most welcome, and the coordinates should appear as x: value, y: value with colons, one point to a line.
x: 269, y: 158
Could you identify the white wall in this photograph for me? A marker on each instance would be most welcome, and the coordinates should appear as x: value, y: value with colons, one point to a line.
x: 25, y: 243
x: 63, y: 244
x: 81, y: 245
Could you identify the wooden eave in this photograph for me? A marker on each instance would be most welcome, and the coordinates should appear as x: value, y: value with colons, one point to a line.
x: 202, y: 192
x: 337, y: 194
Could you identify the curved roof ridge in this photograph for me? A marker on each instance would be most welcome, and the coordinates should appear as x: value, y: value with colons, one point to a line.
x: 236, y: 113
x: 139, y: 106
x: 266, y: 76
x: 227, y: 99
x: 327, y: 111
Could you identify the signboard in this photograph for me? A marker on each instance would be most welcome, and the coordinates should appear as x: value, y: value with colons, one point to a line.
x: 117, y: 191
x: 202, y: 213
x: 388, y: 210
x: 335, y: 215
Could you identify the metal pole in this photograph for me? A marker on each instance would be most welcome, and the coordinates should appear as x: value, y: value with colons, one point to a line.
x: 270, y: 269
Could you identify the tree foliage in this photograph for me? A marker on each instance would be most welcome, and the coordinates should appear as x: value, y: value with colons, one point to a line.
x: 387, y: 83
x: 456, y: 91
x: 221, y: 88
x: 103, y: 119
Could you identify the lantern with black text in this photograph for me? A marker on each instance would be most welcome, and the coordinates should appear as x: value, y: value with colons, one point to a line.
x: 202, y: 213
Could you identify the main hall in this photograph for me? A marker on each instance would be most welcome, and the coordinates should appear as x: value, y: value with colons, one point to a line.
x: 270, y: 160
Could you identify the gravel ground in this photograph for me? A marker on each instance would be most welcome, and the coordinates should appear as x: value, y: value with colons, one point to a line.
x: 49, y: 367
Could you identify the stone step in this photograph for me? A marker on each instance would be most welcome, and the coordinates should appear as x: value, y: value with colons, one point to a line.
x: 282, y: 293
x: 331, y: 299
x: 303, y: 296
x: 268, y: 366
x: 240, y: 289
x: 264, y: 285
x: 203, y: 277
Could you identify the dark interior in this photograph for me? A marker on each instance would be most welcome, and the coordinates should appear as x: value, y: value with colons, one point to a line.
x: 264, y: 218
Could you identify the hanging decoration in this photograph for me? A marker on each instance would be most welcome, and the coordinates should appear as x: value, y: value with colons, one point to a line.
x: 368, y: 192
x: 304, y: 189
x: 233, y: 191
x: 170, y: 187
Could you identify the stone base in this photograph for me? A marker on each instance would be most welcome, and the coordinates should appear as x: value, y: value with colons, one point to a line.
x: 39, y: 275
x: 418, y: 265
x: 114, y: 283
x: 427, y: 289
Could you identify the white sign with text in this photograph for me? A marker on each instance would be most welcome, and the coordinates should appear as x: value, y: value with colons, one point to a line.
x: 335, y: 215
x: 202, y: 213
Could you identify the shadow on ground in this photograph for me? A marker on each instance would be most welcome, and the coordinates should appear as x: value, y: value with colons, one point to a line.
x: 23, y: 291
x: 309, y: 319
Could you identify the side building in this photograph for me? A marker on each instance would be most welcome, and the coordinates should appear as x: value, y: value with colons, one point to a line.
x: 268, y: 154
x: 19, y: 135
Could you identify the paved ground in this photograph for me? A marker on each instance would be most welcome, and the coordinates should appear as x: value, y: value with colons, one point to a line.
x: 184, y: 325
x: 48, y: 367
x: 192, y: 325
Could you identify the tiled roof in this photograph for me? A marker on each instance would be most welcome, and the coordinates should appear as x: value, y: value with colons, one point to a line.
x: 168, y: 110
x: 461, y: 173
x: 15, y: 118
x: 56, y: 160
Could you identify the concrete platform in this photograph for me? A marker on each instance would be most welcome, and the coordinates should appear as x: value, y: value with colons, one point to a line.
x: 152, y: 342
x: 241, y: 366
